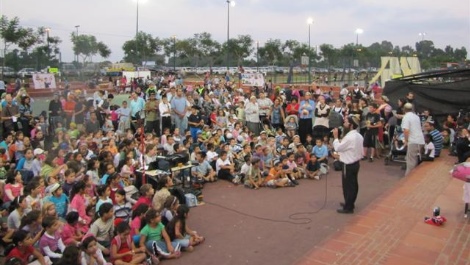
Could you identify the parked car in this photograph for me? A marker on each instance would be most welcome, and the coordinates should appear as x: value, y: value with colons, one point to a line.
x: 26, y: 72
x: 7, y: 72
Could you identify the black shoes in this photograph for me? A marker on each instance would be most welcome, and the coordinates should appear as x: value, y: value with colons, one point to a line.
x: 341, y: 210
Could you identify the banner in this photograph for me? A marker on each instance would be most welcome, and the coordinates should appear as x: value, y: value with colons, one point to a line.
x: 44, y: 81
x: 252, y: 79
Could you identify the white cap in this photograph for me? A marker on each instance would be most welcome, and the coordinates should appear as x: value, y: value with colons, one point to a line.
x: 38, y: 151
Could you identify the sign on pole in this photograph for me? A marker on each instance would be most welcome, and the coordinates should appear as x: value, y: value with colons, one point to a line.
x: 304, y: 60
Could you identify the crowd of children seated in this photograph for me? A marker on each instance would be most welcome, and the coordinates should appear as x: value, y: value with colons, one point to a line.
x: 73, y: 191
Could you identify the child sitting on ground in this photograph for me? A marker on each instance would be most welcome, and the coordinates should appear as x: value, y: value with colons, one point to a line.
x: 51, y: 244
x: 429, y: 150
x: 123, y: 251
x: 313, y: 168
x: 253, y: 178
x: 71, y: 234
x: 320, y: 151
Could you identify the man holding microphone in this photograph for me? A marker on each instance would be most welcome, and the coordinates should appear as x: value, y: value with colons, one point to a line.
x: 349, y: 150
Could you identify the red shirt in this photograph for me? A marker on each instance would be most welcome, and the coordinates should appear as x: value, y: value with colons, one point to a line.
x: 293, y: 109
x: 142, y: 200
x: 21, y: 255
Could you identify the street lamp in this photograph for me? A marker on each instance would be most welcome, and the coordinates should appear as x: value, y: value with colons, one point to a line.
x: 76, y: 35
x: 257, y: 56
x: 422, y: 34
x: 47, y: 30
x: 358, y: 31
x: 309, y: 22
x: 230, y: 3
x: 137, y: 29
x: 174, y: 53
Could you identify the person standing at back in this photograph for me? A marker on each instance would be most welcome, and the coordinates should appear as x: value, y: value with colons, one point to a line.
x: 414, y: 138
x: 350, y: 153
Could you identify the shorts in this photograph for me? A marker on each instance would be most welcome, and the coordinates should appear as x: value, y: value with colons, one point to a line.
x: 273, y: 183
x: 369, y: 139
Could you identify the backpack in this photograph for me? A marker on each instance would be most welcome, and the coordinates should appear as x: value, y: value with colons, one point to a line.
x: 191, y: 200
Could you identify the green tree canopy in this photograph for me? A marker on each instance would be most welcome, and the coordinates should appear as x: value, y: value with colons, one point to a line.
x: 87, y: 46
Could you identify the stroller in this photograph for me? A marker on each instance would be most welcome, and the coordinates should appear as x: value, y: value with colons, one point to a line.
x: 397, y: 148
x: 291, y: 125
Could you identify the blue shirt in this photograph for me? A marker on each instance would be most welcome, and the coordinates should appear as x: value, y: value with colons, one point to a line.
x: 179, y: 104
x: 437, y: 140
x: 320, y: 152
x: 136, y: 106
x: 310, y: 108
x: 60, y: 203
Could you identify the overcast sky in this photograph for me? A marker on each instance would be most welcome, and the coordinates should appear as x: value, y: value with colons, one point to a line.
x: 335, y: 21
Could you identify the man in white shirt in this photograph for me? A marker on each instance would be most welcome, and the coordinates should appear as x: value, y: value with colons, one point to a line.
x: 350, y: 153
x: 414, y: 137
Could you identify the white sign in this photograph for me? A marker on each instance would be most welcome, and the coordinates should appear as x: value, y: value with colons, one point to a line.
x: 44, y: 81
x: 304, y: 60
x: 253, y: 79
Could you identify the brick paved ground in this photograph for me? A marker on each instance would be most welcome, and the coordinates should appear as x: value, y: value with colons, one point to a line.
x: 391, y: 229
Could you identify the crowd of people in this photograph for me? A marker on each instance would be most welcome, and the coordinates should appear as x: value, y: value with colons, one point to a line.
x: 72, y: 175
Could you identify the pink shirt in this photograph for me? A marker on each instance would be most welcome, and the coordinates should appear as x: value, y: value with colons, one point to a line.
x: 68, y: 233
x: 135, y: 225
x: 78, y: 204
x: 291, y: 165
x: 15, y: 191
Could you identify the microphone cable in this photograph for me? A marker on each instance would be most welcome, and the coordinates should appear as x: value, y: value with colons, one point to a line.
x: 294, y: 218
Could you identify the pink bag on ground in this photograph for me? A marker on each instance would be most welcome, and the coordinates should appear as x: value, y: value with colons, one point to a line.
x: 461, y: 171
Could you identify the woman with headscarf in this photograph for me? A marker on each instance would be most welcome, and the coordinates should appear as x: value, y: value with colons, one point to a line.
x: 252, y: 116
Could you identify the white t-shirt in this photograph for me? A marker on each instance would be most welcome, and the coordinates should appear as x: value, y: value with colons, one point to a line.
x: 430, y: 147
x: 211, y: 155
x: 220, y: 163
x: 245, y: 169
x: 412, y: 123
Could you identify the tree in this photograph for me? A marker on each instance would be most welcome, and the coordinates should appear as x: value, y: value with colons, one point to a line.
x: 206, y: 47
x: 12, y: 33
x: 87, y: 46
x: 240, y: 48
x: 271, y: 52
x: 140, y: 48
x: 329, y: 54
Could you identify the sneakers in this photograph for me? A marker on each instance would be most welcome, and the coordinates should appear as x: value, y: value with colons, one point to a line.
x: 295, y: 182
x: 236, y: 179
x: 152, y: 260
x: 364, y: 158
x: 157, y: 251
x: 317, y: 177
x: 371, y: 159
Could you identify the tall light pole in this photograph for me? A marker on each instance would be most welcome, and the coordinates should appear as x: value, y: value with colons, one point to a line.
x: 309, y: 22
x: 230, y: 3
x: 48, y: 30
x: 174, y: 53
x: 76, y: 35
x: 137, y: 30
x: 422, y: 34
x: 358, y: 31
x: 257, y: 56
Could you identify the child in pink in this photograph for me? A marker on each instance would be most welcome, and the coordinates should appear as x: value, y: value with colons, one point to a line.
x: 71, y: 234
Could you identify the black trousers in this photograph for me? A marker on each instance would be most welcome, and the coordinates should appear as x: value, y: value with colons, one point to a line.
x: 166, y: 123
x: 152, y: 126
x: 350, y: 185
x: 305, y: 127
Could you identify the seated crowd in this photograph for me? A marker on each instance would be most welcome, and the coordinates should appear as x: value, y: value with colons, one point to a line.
x: 73, y: 186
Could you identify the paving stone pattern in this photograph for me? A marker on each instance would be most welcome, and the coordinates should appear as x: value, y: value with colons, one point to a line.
x: 392, y: 231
